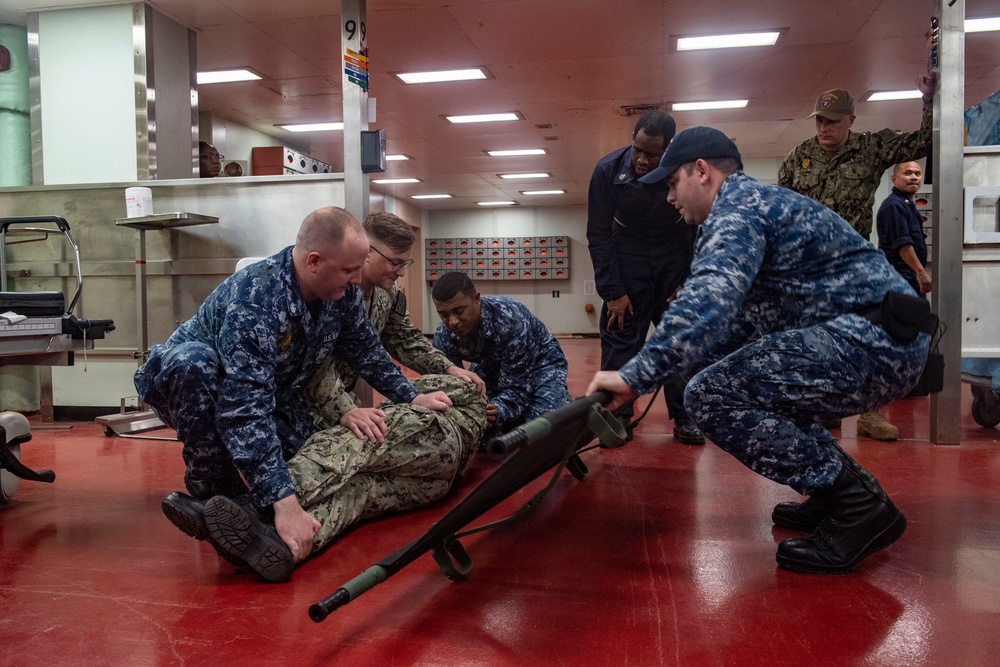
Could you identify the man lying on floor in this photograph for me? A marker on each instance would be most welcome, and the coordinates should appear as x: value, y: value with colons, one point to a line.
x: 341, y: 479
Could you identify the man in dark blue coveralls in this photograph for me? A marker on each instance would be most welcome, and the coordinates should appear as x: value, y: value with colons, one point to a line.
x: 641, y: 250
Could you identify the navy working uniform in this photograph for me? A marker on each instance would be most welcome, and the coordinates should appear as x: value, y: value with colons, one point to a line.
x: 771, y: 261
x: 901, y: 225
x: 519, y: 360
x: 640, y: 247
x: 227, y: 379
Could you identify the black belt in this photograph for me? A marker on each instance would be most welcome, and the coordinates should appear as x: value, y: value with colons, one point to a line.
x: 902, y: 316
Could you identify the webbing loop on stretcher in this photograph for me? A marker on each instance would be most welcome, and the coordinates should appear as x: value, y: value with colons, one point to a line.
x: 452, y: 558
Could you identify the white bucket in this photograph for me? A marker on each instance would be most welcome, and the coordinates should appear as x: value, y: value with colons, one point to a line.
x: 138, y: 202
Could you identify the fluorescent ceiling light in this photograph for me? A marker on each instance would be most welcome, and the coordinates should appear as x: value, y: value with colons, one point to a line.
x: 886, y: 95
x: 394, y: 158
x: 226, y: 76
x: 701, y: 106
x: 395, y: 181
x: 543, y: 192
x: 513, y: 176
x: 483, y: 118
x: 984, y: 24
x: 525, y: 151
x: 445, y: 75
x: 496, y: 203
x: 441, y: 196
x: 727, y: 41
x: 313, y: 127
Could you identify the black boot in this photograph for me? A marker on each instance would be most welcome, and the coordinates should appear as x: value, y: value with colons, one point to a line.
x: 247, y: 533
x: 188, y: 514
x: 860, y: 520
x: 805, y: 516
x: 687, y: 433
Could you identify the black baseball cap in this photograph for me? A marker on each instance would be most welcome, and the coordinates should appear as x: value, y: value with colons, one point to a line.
x: 692, y: 144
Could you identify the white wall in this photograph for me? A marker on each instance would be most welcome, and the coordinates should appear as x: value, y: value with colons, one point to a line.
x: 87, y: 88
x: 233, y: 140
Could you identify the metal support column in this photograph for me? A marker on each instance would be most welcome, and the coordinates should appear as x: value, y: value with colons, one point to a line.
x: 948, y: 173
x: 354, y: 83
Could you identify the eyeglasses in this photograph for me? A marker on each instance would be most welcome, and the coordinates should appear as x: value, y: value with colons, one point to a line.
x: 397, y: 264
x: 214, y: 158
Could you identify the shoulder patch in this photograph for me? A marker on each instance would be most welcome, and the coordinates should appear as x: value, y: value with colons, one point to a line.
x: 399, y: 303
x: 886, y: 134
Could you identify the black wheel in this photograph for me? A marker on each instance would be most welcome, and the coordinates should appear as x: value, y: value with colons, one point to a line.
x: 8, y: 480
x: 985, y: 408
x: 109, y: 432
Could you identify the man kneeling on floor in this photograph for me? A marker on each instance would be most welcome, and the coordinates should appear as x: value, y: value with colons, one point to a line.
x: 341, y: 479
x: 826, y: 306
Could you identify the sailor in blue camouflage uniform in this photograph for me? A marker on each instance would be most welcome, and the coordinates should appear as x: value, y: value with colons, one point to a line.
x: 784, y: 267
x: 510, y: 349
x: 227, y: 379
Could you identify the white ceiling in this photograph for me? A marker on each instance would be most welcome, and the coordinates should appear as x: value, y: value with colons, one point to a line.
x: 568, y: 67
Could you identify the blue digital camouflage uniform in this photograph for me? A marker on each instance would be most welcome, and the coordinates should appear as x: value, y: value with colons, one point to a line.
x: 784, y: 265
x: 640, y: 248
x: 846, y: 181
x: 519, y: 360
x: 342, y: 479
x: 901, y: 225
x: 227, y: 379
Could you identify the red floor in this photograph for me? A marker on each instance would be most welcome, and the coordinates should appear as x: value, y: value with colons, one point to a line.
x: 664, y: 555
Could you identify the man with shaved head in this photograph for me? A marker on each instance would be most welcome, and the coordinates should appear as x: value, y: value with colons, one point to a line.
x: 228, y: 379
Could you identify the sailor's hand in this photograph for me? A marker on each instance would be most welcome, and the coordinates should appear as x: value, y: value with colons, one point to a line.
x: 366, y: 423
x: 491, y: 413
x: 927, y: 84
x: 435, y: 400
x: 295, y: 526
x: 617, y: 309
x: 611, y: 381
x: 469, y: 376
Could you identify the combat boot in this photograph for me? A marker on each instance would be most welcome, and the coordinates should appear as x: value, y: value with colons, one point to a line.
x: 860, y: 521
x: 687, y: 433
x: 188, y: 514
x: 807, y: 515
x: 804, y: 516
x: 244, y: 532
x: 872, y: 425
x: 203, y: 488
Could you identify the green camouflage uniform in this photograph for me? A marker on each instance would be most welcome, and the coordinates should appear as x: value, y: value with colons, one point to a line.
x: 329, y: 391
x: 342, y: 479
x: 846, y: 182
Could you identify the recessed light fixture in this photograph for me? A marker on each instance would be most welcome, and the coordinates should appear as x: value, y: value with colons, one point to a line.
x: 727, y: 41
x: 887, y: 95
x: 496, y: 203
x: 313, y: 127
x: 226, y: 76
x: 471, y: 74
x: 701, y: 106
x: 516, y: 176
x: 441, y: 196
x: 985, y: 24
x: 543, y: 192
x: 395, y: 181
x: 483, y: 118
x: 394, y: 158
x: 515, y: 153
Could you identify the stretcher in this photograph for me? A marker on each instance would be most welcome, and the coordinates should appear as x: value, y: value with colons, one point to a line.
x: 36, y: 329
x: 983, y: 375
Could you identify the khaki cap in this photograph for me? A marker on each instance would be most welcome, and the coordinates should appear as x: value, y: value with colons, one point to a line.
x: 834, y: 105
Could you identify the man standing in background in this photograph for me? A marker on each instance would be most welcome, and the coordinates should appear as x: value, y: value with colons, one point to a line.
x: 641, y: 251
x: 842, y: 169
x: 900, y: 228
